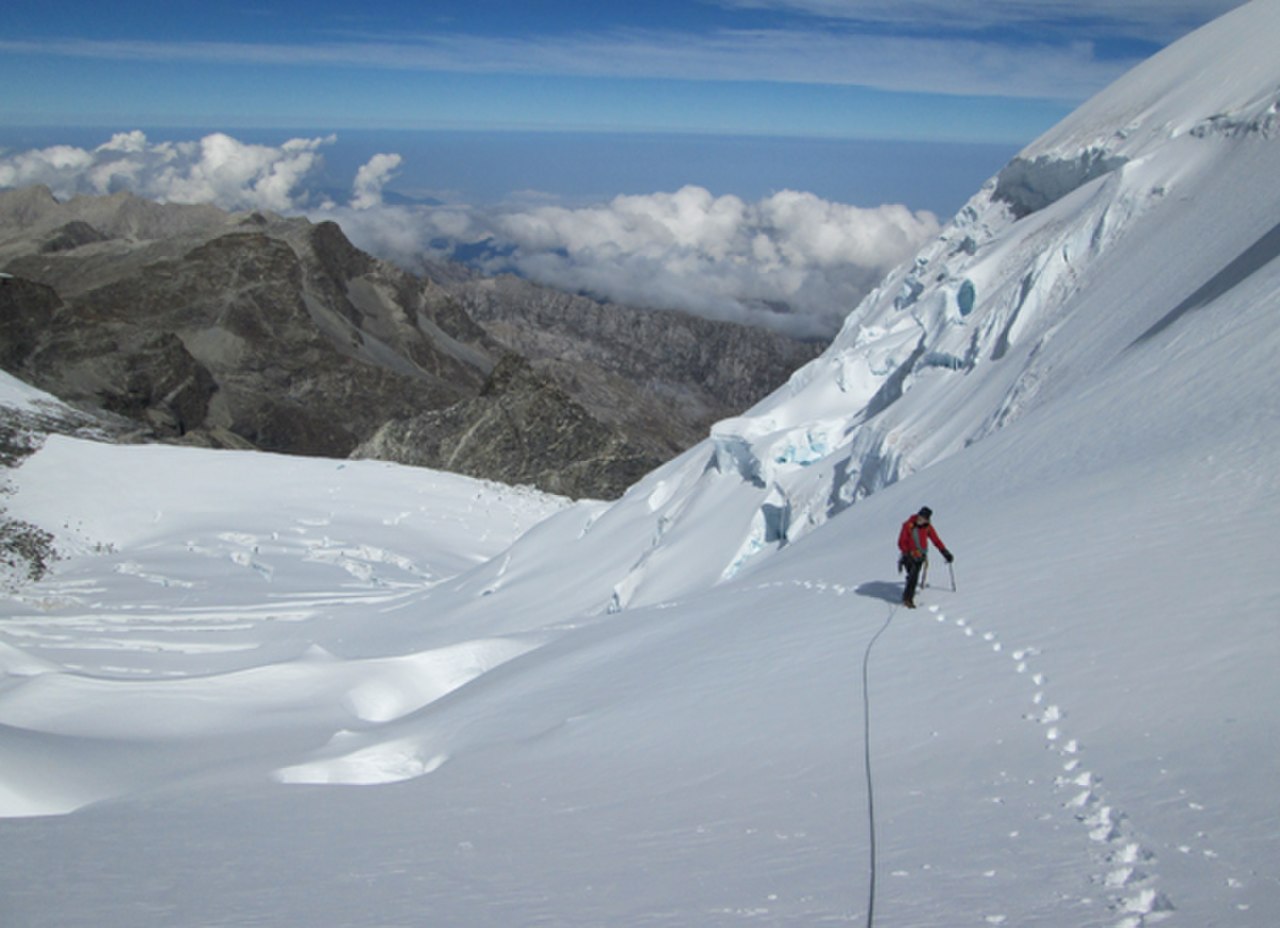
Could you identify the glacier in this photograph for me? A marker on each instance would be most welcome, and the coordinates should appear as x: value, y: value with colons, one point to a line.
x: 259, y: 690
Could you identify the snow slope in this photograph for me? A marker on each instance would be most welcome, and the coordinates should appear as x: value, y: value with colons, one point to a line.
x: 655, y: 712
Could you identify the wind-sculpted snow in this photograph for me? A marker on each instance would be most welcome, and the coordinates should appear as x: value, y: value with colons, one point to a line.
x: 222, y: 603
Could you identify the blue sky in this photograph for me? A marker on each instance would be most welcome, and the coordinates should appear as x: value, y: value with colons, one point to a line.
x: 922, y: 70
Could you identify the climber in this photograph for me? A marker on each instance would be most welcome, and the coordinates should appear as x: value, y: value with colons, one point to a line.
x: 913, y: 543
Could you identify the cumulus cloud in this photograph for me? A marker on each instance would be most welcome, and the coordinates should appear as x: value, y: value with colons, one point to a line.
x: 792, y: 260
x: 216, y: 169
x: 372, y: 176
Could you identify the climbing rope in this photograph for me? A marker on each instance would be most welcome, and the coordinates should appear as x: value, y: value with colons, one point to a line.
x: 866, y: 753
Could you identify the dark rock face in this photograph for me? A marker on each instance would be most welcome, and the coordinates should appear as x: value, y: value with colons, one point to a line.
x: 72, y: 235
x: 528, y: 428
x: 26, y: 310
x: 163, y: 385
x: 256, y: 331
x: 662, y: 377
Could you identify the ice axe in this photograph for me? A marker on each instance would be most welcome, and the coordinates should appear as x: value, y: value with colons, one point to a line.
x: 924, y: 575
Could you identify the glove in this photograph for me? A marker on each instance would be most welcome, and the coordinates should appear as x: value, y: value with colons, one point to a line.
x: 948, y: 556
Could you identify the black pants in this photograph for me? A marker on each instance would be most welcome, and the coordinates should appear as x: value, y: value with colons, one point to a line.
x: 913, y: 566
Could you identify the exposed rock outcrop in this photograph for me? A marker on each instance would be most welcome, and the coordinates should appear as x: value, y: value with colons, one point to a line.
x: 663, y: 377
x: 525, y: 426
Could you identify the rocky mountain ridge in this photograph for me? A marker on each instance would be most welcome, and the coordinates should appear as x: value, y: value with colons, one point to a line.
x: 251, y: 330
x: 660, y: 375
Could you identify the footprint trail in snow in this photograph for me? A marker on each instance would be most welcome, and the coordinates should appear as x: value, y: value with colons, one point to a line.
x: 1125, y: 869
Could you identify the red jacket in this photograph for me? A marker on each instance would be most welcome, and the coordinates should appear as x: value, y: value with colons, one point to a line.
x: 915, y: 538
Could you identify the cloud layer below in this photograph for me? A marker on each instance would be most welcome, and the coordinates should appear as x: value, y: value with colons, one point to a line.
x: 791, y: 261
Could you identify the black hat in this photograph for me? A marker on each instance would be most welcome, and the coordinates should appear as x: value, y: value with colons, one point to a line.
x: 926, y: 512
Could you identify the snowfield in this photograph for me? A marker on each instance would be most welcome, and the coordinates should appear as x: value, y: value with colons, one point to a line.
x: 272, y: 691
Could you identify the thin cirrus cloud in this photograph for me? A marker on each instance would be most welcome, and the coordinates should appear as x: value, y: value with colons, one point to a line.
x: 792, y: 260
x: 1157, y: 21
x: 999, y: 50
x: 911, y: 64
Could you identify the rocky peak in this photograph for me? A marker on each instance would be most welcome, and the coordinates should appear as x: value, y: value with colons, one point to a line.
x: 336, y: 255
